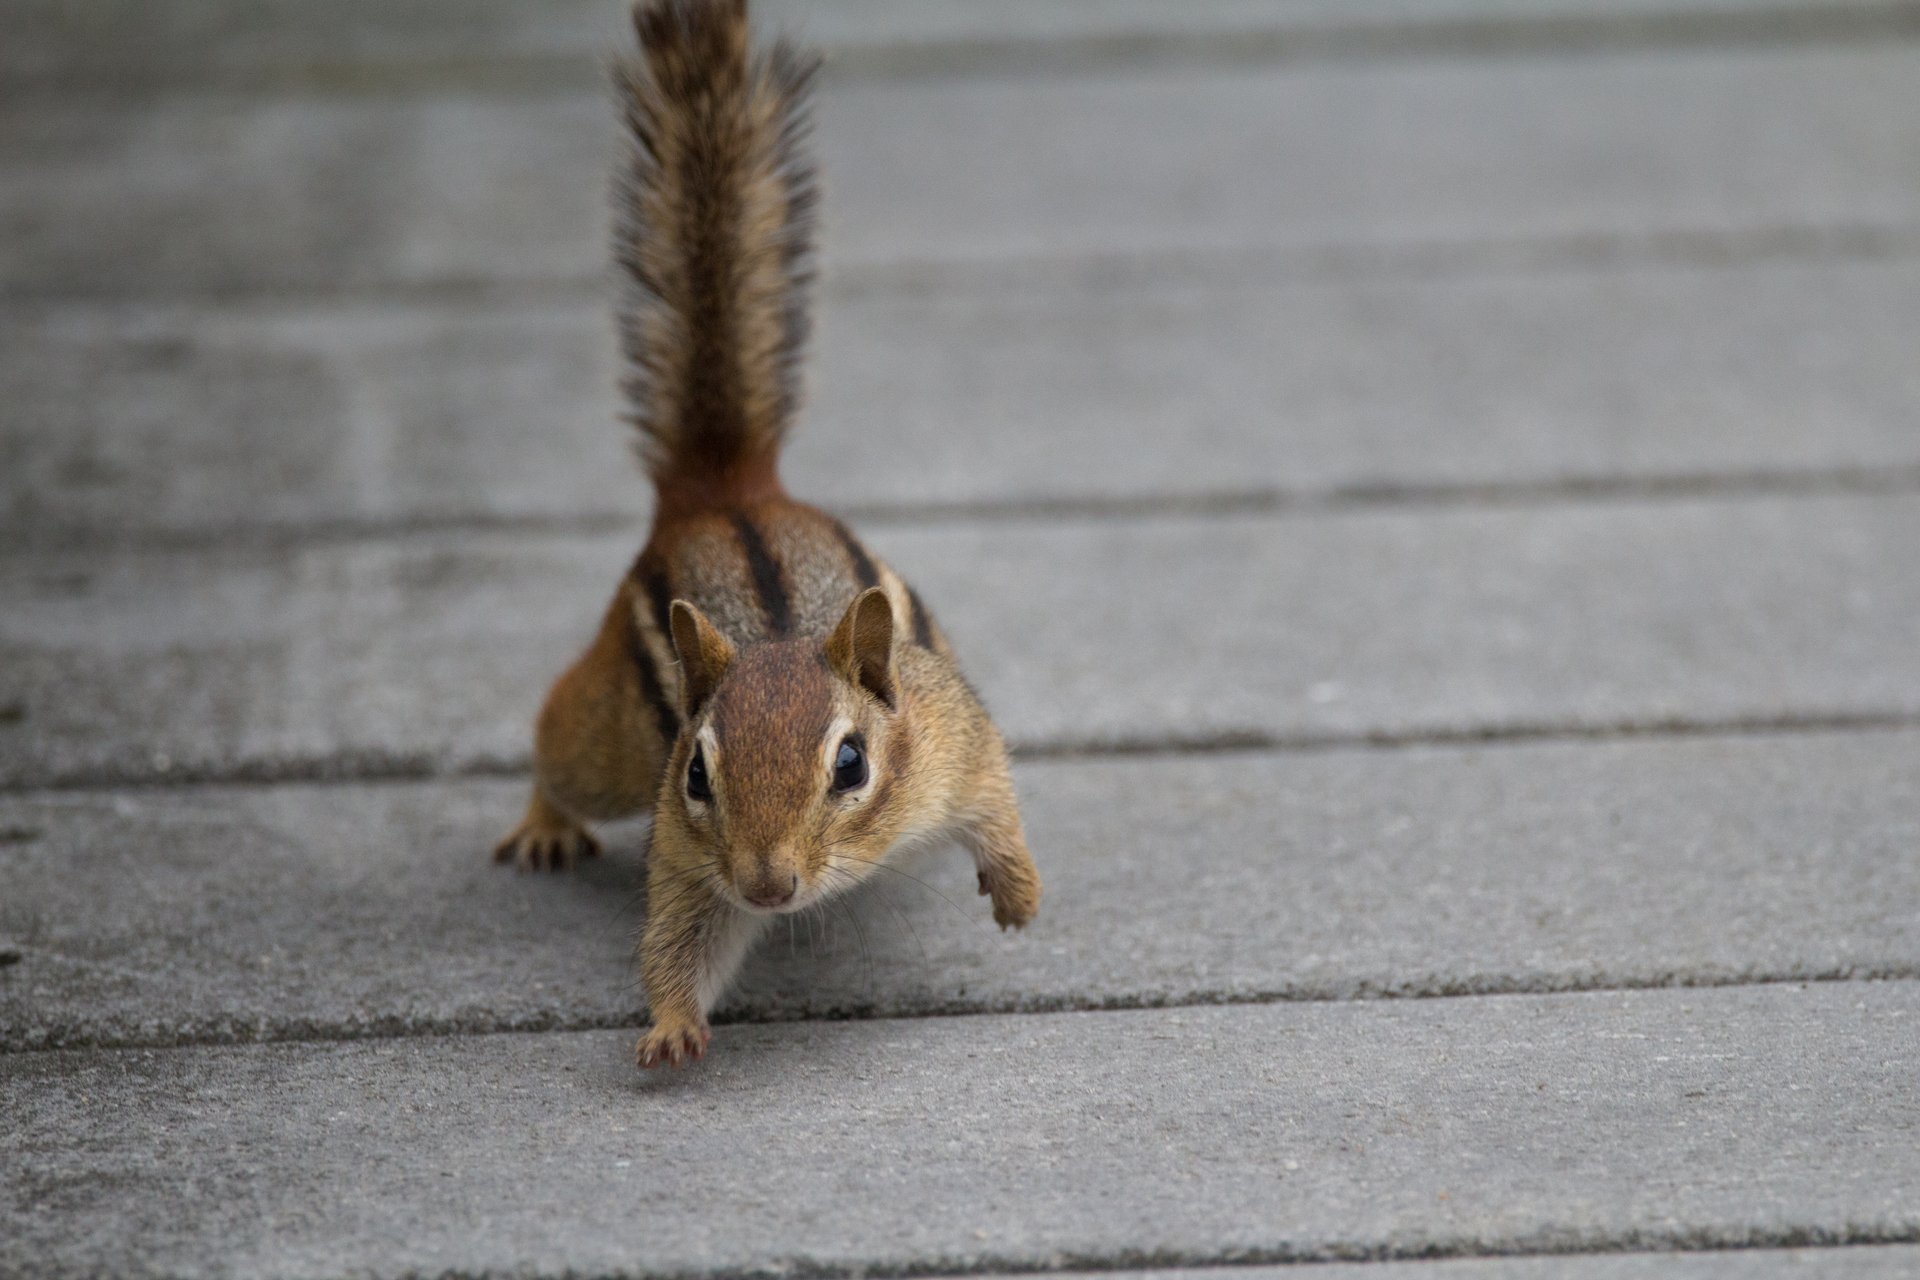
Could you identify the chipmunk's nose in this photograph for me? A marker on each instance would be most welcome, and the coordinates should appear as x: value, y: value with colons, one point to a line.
x: 771, y: 888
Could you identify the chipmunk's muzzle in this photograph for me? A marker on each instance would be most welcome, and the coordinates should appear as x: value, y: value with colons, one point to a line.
x: 770, y: 884
x: 772, y: 895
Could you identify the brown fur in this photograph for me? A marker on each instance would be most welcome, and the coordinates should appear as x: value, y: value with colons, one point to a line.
x: 715, y: 211
x: 752, y: 629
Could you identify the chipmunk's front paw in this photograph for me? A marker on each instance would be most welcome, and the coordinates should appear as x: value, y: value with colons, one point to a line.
x: 538, y: 846
x: 674, y: 1042
x: 1016, y: 897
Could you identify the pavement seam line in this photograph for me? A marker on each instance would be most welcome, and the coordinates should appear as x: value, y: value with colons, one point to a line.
x: 1546, y: 1243
x: 1456, y: 38
x: 237, y: 1032
x: 1359, y: 496
x: 1237, y: 265
x: 355, y: 769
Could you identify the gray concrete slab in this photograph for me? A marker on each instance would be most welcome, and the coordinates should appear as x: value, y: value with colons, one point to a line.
x: 122, y: 46
x: 432, y: 651
x: 1745, y: 1116
x: 167, y: 916
x: 130, y: 48
x: 192, y: 420
x: 216, y: 193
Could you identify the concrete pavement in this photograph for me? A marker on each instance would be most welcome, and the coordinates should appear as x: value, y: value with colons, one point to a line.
x: 1270, y: 1133
x: 470, y: 191
x: 324, y: 912
x: 428, y: 653
x: 395, y: 414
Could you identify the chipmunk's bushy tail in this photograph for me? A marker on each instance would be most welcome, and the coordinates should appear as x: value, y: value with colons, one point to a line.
x: 714, y: 214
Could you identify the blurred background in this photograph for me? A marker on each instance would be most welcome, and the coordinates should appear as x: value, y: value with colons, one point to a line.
x: 1430, y: 488
x: 1470, y: 282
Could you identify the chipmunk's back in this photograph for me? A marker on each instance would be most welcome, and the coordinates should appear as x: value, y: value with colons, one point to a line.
x: 776, y: 570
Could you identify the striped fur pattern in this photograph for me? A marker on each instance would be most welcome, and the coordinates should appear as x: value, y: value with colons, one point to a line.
x: 756, y: 644
x: 769, y: 573
x: 714, y: 231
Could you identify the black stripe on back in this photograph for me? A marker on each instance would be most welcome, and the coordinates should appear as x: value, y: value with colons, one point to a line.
x: 862, y: 562
x: 659, y: 594
x: 766, y: 577
x: 922, y: 620
x: 650, y: 686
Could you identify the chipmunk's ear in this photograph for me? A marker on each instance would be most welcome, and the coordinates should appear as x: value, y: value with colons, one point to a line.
x: 861, y: 647
x: 704, y: 656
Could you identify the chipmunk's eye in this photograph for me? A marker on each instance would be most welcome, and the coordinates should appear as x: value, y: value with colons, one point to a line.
x: 698, y: 788
x: 849, y: 766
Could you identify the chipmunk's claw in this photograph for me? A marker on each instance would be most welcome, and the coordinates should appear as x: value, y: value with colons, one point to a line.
x: 1016, y: 900
x: 532, y: 848
x: 674, y: 1045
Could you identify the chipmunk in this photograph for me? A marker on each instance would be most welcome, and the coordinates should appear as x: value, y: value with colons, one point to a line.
x: 778, y: 696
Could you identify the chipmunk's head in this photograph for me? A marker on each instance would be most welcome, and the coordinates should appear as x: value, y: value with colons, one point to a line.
x: 786, y: 771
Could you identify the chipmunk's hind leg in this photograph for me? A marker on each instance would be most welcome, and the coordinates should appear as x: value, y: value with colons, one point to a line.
x: 598, y: 750
x: 999, y: 845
